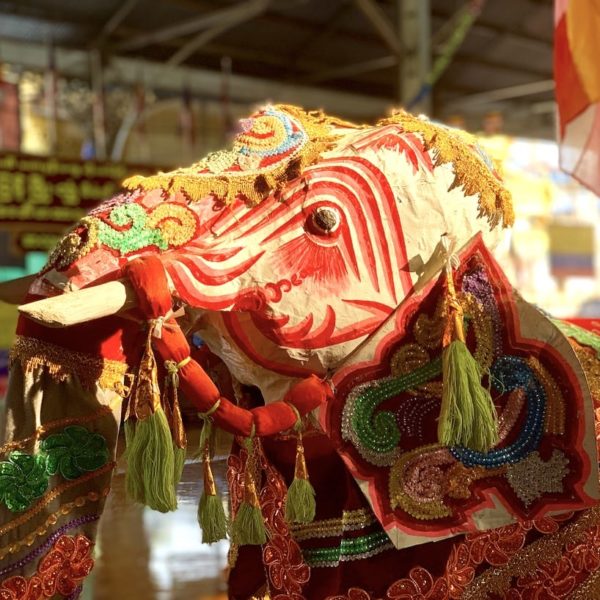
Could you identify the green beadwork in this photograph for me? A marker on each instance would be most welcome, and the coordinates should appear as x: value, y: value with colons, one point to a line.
x: 349, y: 549
x: 378, y: 432
x: 137, y: 236
x: 74, y: 451
x: 23, y: 478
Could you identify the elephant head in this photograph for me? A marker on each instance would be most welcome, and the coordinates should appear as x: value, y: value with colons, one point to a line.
x: 300, y: 241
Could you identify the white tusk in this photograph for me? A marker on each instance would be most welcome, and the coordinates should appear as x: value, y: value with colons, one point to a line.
x: 81, y: 306
x: 15, y: 290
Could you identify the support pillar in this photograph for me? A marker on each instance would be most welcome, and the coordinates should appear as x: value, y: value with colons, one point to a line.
x: 414, y: 27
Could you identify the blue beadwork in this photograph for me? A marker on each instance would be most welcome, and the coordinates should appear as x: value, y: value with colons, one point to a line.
x: 511, y: 373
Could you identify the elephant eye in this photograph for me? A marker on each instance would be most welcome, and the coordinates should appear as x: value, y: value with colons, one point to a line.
x: 326, y: 219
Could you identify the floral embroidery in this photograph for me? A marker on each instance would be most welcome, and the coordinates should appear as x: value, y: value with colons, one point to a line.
x: 497, y: 545
x: 22, y: 479
x: 353, y: 594
x: 585, y: 553
x: 287, y: 572
x: 74, y: 452
x: 66, y: 565
x: 551, y: 580
x: 61, y: 571
x: 284, y: 564
x: 419, y: 585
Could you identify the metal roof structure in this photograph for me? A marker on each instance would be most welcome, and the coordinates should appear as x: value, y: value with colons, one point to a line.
x: 345, y: 48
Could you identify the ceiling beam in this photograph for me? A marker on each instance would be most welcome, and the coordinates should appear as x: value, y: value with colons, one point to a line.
x: 197, y: 42
x: 487, y: 27
x: 253, y: 9
x: 507, y: 93
x: 235, y: 13
x: 115, y: 20
x: 329, y: 28
x: 381, y: 23
x: 351, y: 70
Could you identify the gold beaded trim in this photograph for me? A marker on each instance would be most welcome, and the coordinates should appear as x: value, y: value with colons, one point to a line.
x: 61, y: 363
x: 254, y: 184
x: 52, y: 519
x: 591, y: 367
x: 52, y: 495
x: 351, y: 520
x: 497, y: 580
x: 555, y: 414
x: 470, y: 170
x: 484, y: 330
x: 57, y: 424
x: 589, y: 589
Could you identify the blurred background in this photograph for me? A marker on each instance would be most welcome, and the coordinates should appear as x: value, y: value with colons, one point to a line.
x: 93, y: 91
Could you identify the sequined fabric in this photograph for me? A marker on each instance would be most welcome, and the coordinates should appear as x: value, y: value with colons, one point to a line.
x: 60, y: 571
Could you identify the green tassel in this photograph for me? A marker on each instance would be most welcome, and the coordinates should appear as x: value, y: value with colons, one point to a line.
x: 212, y: 518
x: 151, y: 463
x: 468, y: 417
x: 248, y: 527
x: 133, y: 476
x: 300, y: 505
x: 179, y: 463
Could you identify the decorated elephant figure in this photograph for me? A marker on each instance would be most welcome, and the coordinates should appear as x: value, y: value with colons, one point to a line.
x: 416, y: 430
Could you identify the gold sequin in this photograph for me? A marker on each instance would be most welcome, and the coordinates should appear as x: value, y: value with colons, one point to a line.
x: 589, y: 589
x: 74, y: 246
x: 52, y: 519
x: 62, y: 363
x: 591, y: 367
x: 555, y: 403
x: 428, y: 329
x: 408, y: 358
x: 470, y: 170
x: 497, y: 580
x: 483, y: 327
x: 460, y: 479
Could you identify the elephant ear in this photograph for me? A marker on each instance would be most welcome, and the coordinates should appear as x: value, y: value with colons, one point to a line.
x: 383, y: 419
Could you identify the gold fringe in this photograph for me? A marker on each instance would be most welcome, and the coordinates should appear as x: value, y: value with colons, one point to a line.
x: 62, y: 363
x: 470, y: 171
x: 254, y: 185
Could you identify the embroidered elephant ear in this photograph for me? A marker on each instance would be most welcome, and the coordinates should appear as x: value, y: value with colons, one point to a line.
x: 384, y: 417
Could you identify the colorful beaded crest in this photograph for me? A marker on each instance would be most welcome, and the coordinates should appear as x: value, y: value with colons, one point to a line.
x: 383, y: 419
x: 125, y: 225
x: 272, y: 148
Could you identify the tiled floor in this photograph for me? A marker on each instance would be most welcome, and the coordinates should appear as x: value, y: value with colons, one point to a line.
x: 146, y: 555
